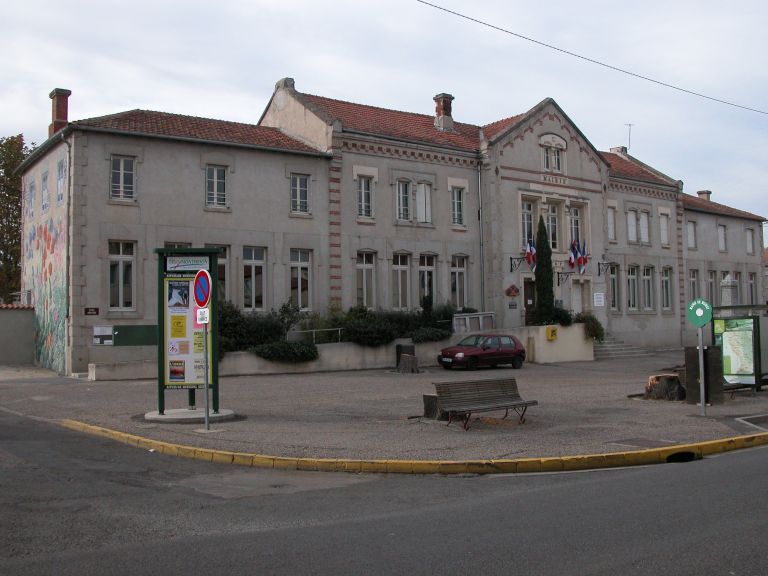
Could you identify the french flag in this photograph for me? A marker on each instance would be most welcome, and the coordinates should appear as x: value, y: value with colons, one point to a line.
x: 530, y: 255
x: 573, y: 255
x: 582, y: 261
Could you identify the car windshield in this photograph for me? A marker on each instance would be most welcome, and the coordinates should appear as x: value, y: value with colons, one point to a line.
x: 471, y: 341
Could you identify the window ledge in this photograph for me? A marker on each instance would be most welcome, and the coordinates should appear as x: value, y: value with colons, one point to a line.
x: 414, y: 224
x: 225, y: 209
x: 300, y: 215
x: 119, y: 202
x: 117, y: 314
x: 366, y: 220
x: 459, y: 227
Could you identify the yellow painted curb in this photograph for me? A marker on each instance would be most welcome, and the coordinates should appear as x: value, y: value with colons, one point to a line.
x: 517, y: 466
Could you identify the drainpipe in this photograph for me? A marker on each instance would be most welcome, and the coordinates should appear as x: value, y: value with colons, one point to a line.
x: 482, y: 237
x: 67, y: 263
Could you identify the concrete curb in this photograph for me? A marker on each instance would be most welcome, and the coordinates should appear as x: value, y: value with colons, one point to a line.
x: 679, y: 453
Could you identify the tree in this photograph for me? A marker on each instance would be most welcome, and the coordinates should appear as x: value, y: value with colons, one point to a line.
x: 12, y: 153
x: 545, y: 292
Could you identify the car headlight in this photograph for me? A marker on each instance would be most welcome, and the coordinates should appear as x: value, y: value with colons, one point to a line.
x: 460, y: 355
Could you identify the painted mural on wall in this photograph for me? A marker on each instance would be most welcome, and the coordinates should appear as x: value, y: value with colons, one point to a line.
x: 44, y: 246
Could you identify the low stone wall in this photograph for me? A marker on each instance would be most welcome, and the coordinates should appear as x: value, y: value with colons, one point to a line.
x: 17, y: 334
x: 569, y: 346
x: 332, y: 357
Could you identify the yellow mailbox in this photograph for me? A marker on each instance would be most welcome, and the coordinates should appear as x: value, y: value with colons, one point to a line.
x: 551, y: 332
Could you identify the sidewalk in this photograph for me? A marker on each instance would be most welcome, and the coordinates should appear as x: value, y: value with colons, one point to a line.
x: 583, y: 409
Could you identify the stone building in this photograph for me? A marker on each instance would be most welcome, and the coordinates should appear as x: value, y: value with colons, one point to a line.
x: 333, y: 204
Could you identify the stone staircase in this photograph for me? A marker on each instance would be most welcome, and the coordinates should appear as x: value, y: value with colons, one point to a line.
x: 612, y: 348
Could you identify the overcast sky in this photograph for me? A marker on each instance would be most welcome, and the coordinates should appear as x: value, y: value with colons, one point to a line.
x: 221, y: 60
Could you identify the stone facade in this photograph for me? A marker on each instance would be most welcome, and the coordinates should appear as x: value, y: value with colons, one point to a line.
x: 335, y: 204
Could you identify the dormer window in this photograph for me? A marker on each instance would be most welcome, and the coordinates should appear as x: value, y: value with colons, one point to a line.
x: 552, y: 153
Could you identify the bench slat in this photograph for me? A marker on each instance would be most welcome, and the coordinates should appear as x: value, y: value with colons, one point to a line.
x: 480, y: 395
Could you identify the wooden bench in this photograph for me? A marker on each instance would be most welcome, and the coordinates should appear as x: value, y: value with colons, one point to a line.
x: 468, y: 396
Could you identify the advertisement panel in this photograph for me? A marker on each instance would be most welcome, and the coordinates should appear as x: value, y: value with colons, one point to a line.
x: 184, y: 345
x: 736, y: 338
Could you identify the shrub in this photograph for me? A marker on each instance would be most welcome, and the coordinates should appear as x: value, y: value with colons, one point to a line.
x: 561, y: 316
x: 592, y: 326
x: 283, y: 351
x: 367, y: 333
x: 428, y: 334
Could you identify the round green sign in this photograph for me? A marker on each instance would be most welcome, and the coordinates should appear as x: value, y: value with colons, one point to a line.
x: 699, y: 312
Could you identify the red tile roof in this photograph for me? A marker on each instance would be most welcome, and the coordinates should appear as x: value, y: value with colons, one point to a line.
x: 395, y: 124
x: 151, y: 123
x: 624, y: 168
x: 700, y: 205
x: 494, y: 128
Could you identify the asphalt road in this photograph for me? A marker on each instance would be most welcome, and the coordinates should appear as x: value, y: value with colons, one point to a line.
x: 74, y: 504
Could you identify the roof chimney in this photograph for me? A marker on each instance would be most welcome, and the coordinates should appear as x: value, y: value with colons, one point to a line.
x: 619, y: 150
x: 705, y: 194
x: 443, y: 118
x: 59, y: 110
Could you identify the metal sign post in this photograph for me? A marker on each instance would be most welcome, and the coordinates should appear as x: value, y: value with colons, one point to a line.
x: 202, y: 292
x: 700, y: 314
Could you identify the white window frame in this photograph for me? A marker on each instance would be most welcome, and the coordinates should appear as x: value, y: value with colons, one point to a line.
x: 664, y: 229
x: 644, y: 227
x: 553, y: 159
x: 122, y: 177
x: 215, y: 186
x: 666, y: 288
x: 632, y: 288
x: 712, y: 288
x: 459, y: 281
x: 690, y: 229
x: 614, y: 284
x: 427, y: 276
x: 648, y: 291
x: 401, y: 281
x: 61, y: 179
x: 693, y: 284
x: 45, y: 195
x: 457, y: 206
x: 611, y: 217
x: 632, y: 226
x: 255, y: 261
x: 122, y: 259
x: 404, y: 200
x: 365, y: 196
x: 722, y: 238
x: 751, y: 287
x: 576, y: 224
x: 301, y: 262
x: 552, y: 225
x: 423, y: 202
x: 365, y: 268
x: 527, y: 208
x: 737, y: 278
x: 300, y: 193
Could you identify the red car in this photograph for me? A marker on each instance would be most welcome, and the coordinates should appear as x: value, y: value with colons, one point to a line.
x: 483, y: 350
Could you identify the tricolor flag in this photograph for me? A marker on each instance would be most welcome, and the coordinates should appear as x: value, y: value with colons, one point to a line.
x: 583, y: 257
x: 530, y: 255
x: 573, y: 254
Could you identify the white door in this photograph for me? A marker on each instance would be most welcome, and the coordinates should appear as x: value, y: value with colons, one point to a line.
x: 576, y: 291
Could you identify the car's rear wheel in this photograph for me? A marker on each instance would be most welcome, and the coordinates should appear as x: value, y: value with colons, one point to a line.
x: 472, y: 364
x: 517, y: 362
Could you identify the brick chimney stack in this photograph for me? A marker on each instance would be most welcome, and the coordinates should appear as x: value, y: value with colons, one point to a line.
x: 443, y: 118
x: 705, y: 194
x: 59, y: 110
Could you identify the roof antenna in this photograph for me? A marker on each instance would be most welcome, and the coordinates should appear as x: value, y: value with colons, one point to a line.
x: 629, y: 142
